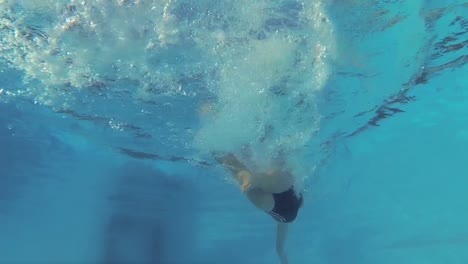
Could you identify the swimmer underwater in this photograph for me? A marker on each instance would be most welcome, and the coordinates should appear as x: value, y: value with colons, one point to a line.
x: 272, y: 192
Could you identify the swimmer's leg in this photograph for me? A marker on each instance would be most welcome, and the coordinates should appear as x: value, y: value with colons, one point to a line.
x: 262, y: 200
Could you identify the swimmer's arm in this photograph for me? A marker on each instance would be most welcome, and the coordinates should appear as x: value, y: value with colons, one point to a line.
x: 238, y: 170
x: 245, y: 180
x: 281, y: 234
x: 262, y: 181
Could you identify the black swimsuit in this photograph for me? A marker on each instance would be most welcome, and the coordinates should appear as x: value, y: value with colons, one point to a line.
x: 287, y: 205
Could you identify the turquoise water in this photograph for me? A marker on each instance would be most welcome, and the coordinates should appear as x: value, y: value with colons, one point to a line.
x: 109, y: 110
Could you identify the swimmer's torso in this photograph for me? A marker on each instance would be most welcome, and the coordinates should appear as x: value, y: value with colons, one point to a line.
x: 274, y: 181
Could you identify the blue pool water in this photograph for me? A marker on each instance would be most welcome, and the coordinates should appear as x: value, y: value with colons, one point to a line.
x: 109, y: 111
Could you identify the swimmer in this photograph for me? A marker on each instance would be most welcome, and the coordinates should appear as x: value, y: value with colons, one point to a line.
x: 272, y: 192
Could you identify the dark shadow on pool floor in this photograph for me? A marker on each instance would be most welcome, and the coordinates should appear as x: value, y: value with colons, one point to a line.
x: 152, y: 220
